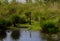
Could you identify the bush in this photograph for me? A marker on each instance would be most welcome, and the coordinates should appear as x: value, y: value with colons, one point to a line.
x: 49, y: 27
x: 17, y: 19
x: 9, y: 23
x: 3, y: 24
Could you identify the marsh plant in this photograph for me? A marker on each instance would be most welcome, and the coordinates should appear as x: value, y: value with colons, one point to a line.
x: 50, y: 30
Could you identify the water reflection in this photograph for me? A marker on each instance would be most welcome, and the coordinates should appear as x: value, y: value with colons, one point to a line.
x: 53, y: 37
x: 23, y: 35
x: 15, y: 35
x: 8, y: 36
x: 2, y: 35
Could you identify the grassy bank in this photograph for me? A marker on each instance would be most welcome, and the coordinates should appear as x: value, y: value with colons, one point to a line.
x: 43, y: 16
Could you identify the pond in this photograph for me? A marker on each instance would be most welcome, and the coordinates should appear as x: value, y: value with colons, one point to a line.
x: 22, y: 35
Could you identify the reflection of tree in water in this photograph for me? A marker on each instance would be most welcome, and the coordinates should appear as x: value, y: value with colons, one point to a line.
x: 15, y: 35
x: 2, y: 35
x: 47, y: 37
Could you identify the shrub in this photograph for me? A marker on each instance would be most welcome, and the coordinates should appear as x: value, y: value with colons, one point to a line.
x: 9, y: 23
x: 49, y: 27
x: 3, y: 24
x: 17, y: 19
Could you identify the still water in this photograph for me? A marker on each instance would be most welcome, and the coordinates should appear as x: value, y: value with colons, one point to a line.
x: 22, y: 35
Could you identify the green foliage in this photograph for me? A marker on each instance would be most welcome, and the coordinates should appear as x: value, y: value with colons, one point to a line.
x: 44, y: 14
x: 49, y: 27
x: 35, y: 25
x: 58, y: 25
x: 9, y: 23
x: 15, y: 18
x: 38, y: 15
x: 3, y: 24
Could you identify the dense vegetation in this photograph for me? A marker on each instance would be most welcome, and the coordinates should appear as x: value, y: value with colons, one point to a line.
x: 39, y: 15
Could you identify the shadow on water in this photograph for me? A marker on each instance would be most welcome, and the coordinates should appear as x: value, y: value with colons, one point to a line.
x: 53, y: 37
x: 2, y: 35
x: 15, y: 35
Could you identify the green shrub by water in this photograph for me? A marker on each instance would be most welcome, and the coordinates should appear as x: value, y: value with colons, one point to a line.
x: 38, y: 14
x: 49, y: 27
x: 3, y: 24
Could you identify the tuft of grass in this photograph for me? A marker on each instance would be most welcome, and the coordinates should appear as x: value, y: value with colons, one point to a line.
x: 35, y: 26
